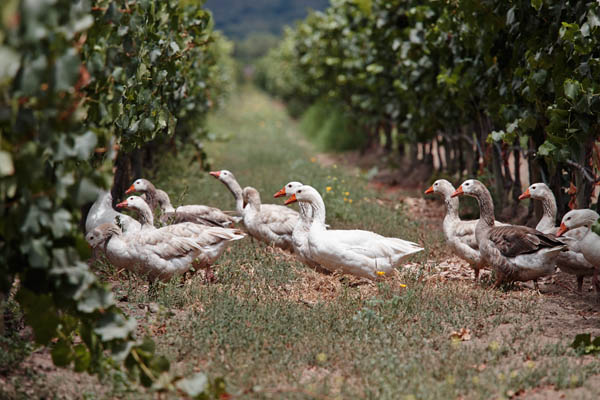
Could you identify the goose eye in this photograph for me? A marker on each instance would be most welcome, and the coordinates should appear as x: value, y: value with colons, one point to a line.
x: 533, y: 188
x: 299, y: 191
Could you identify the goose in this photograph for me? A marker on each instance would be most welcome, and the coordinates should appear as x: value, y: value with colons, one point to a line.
x: 272, y: 225
x: 162, y: 252
x: 279, y: 220
x: 356, y: 252
x: 571, y: 261
x: 460, y: 235
x: 198, y: 214
x: 516, y: 253
x: 234, y: 187
x: 156, y: 198
x: 589, y: 244
x: 302, y: 227
x: 102, y: 212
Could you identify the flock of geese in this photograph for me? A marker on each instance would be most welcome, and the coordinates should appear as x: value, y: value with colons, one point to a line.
x: 196, y: 235
x: 516, y: 252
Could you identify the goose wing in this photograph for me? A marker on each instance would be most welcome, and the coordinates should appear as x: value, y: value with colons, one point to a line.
x: 513, y: 240
x: 163, y: 244
x: 278, y: 219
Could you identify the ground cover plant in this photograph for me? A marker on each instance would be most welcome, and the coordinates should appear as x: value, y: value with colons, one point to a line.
x: 271, y: 328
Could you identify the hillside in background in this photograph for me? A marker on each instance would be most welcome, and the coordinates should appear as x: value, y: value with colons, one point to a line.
x: 238, y: 18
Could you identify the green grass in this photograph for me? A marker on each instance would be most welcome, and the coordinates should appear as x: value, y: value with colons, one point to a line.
x: 329, y: 127
x: 275, y: 329
x: 256, y: 329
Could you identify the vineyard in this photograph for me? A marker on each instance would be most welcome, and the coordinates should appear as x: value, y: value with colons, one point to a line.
x: 97, y: 93
x: 473, y: 84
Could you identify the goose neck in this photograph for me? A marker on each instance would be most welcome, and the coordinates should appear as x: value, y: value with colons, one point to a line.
x: 451, y: 207
x: 145, y: 216
x: 236, y: 190
x: 305, y: 211
x: 317, y: 207
x: 486, y: 207
x: 549, y: 210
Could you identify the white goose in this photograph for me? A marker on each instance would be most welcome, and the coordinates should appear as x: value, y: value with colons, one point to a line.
x: 269, y: 223
x: 590, y: 243
x: 516, y: 253
x: 198, y: 214
x: 102, y: 212
x: 234, y: 187
x: 302, y: 227
x: 163, y: 252
x: 357, y: 252
x: 460, y: 234
x: 156, y: 198
x: 572, y: 261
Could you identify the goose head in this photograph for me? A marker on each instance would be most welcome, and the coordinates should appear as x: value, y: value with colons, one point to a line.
x: 101, y: 234
x: 470, y: 187
x: 251, y: 196
x: 223, y: 175
x: 140, y: 185
x: 288, y: 189
x: 442, y: 187
x: 577, y: 218
x: 537, y: 191
x: 304, y: 193
x: 135, y: 203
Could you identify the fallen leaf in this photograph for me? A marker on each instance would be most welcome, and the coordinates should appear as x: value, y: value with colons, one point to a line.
x: 463, y: 334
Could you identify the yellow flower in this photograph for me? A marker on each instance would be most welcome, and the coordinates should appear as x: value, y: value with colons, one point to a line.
x: 328, y: 188
x: 402, y: 285
x: 350, y: 201
x: 345, y: 199
x: 313, y: 159
x: 381, y: 273
x: 346, y: 193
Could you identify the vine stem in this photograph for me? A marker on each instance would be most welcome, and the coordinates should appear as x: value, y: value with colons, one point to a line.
x: 142, y: 365
x: 586, y: 174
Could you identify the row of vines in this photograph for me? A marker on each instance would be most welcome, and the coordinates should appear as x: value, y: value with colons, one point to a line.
x: 481, y: 83
x: 84, y: 84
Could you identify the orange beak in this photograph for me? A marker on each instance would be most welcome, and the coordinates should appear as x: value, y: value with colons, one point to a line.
x: 291, y: 200
x: 280, y: 193
x: 216, y: 174
x: 563, y: 228
x: 458, y: 192
x: 130, y: 190
x: 122, y: 204
x: 525, y: 195
x: 430, y: 190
